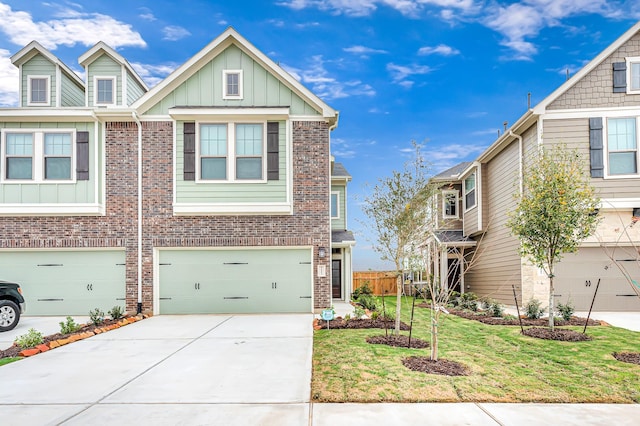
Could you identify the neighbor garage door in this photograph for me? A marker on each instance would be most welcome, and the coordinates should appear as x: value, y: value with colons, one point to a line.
x: 577, y: 276
x: 235, y: 281
x: 58, y: 282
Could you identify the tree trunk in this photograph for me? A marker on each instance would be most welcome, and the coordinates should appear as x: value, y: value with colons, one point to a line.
x: 399, y: 282
x: 434, y: 332
x: 551, y: 296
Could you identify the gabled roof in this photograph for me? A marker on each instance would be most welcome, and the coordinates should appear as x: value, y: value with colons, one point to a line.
x: 32, y: 49
x: 224, y: 40
x: 452, y: 173
x: 453, y: 238
x: 101, y: 48
x: 339, y: 171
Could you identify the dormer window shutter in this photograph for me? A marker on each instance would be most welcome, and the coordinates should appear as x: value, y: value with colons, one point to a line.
x: 189, y: 151
x: 619, y: 77
x: 596, y: 147
x: 273, y: 155
x: 82, y: 155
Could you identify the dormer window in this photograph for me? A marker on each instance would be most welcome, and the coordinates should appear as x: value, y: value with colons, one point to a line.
x: 232, y: 84
x: 105, y: 88
x: 38, y: 88
x: 450, y: 204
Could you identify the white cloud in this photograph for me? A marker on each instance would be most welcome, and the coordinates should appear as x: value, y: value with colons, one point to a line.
x: 325, y: 86
x: 441, y: 49
x: 400, y: 73
x: 73, y: 27
x: 174, y: 33
x: 446, y: 156
x: 363, y: 50
x: 367, y: 7
x: 8, y: 80
x: 146, y: 14
x: 153, y: 74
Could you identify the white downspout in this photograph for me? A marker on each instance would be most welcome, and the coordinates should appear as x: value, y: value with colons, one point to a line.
x: 520, y: 161
x: 137, y: 120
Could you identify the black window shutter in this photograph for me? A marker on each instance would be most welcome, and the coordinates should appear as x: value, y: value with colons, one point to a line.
x: 596, y: 147
x: 273, y: 155
x: 82, y: 155
x: 619, y: 77
x: 189, y: 151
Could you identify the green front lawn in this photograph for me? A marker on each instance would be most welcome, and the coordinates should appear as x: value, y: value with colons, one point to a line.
x: 505, y: 365
x: 4, y: 361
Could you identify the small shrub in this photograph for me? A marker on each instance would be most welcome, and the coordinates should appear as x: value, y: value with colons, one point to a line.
x: 368, y: 301
x: 454, y: 299
x: 469, y: 301
x: 485, y: 303
x: 532, y: 309
x: 496, y: 309
x: 347, y: 317
x: 30, y: 339
x: 387, y: 316
x: 116, y: 312
x: 96, y: 316
x: 565, y: 310
x: 358, y: 312
x: 362, y: 290
x: 374, y: 315
x: 509, y: 317
x: 69, y: 326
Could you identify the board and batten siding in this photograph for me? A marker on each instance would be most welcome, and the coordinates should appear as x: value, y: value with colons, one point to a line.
x: 82, y: 191
x: 39, y: 66
x: 340, y: 223
x: 104, y: 66
x: 497, y: 264
x: 71, y: 95
x: 574, y: 133
x: 228, y: 192
x: 134, y: 90
x: 260, y: 88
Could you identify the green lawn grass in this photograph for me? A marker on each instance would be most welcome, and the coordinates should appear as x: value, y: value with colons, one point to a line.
x: 4, y: 361
x: 505, y: 366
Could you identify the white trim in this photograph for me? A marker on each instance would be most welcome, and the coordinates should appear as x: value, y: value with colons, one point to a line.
x: 225, y: 87
x: 114, y: 90
x: 94, y: 53
x: 478, y: 195
x: 48, y: 91
x: 219, y: 113
x: 337, y: 193
x: 446, y: 192
x: 48, y: 115
x: 174, y: 171
x: 199, y: 209
x: 475, y: 189
x: 101, y: 144
x: 629, y: 61
x: 20, y: 87
x: 67, y: 209
x: 605, y: 139
x: 27, y: 52
x: 591, y: 112
x: 619, y: 203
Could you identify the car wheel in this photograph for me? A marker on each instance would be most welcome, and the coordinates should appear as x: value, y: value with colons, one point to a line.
x: 9, y: 315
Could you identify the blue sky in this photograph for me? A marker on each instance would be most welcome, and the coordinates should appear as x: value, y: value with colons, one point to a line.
x: 446, y: 73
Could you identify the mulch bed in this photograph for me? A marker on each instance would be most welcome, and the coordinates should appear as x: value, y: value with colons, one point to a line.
x: 340, y: 323
x: 401, y: 341
x: 630, y: 357
x: 540, y: 322
x: 556, y: 334
x: 442, y: 366
x: 14, y: 350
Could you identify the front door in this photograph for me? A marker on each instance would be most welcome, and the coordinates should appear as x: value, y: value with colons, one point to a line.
x: 336, y: 282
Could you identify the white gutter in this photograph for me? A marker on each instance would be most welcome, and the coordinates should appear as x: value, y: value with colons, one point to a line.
x: 520, y: 161
x: 137, y: 120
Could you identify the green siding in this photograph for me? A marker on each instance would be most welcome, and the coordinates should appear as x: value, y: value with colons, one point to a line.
x: 340, y: 223
x: 56, y: 282
x: 220, y: 193
x: 71, y: 95
x: 260, y: 88
x: 40, y: 66
x: 235, y: 281
x: 104, y: 66
x: 134, y: 89
x: 39, y: 193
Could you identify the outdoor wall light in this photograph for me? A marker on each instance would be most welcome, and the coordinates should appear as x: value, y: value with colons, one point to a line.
x: 322, y: 252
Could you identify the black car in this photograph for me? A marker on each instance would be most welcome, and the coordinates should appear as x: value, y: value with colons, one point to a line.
x: 12, y: 304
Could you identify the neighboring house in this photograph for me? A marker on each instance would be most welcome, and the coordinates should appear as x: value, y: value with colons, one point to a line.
x: 209, y: 193
x: 597, y: 112
x: 342, y: 240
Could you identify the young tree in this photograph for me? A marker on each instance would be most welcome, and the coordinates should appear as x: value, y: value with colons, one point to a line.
x: 557, y: 210
x: 398, y: 211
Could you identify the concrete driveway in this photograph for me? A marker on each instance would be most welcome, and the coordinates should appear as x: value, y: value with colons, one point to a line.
x: 196, y: 369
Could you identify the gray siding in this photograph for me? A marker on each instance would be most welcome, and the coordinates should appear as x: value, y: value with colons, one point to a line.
x: 134, y: 90
x: 38, y: 66
x: 596, y: 88
x: 260, y: 88
x: 71, y: 95
x: 574, y: 133
x: 104, y: 66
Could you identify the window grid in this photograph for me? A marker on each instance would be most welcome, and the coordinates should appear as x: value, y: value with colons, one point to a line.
x: 38, y: 156
x: 213, y: 151
x: 622, y: 146
x: 104, y: 90
x: 249, y: 151
x: 470, y: 191
x: 19, y: 156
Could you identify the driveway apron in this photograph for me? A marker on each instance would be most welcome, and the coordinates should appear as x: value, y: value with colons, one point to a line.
x: 194, y: 369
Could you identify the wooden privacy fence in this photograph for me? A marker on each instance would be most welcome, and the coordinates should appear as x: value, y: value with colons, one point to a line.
x: 380, y: 282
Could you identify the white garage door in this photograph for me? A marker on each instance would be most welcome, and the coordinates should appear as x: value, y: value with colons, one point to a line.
x: 235, y: 281
x: 58, y: 282
x: 577, y: 276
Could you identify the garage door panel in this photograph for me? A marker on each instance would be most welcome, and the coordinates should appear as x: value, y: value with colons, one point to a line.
x: 235, y: 281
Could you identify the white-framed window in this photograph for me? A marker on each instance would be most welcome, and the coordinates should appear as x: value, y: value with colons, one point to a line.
x: 622, y: 146
x: 450, y: 204
x: 633, y: 74
x: 38, y: 156
x: 38, y: 93
x: 470, y: 191
x: 104, y: 90
x: 335, y: 205
x: 232, y: 84
x: 231, y: 152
